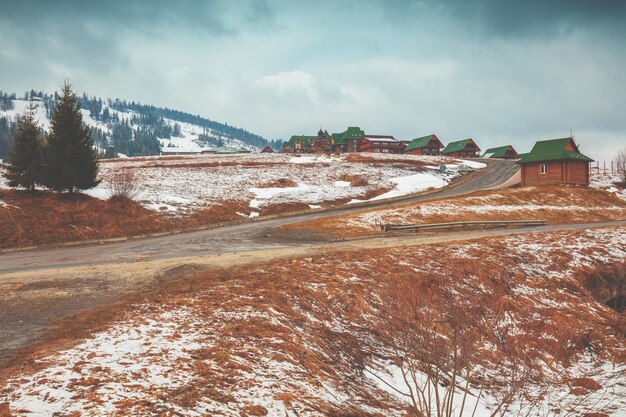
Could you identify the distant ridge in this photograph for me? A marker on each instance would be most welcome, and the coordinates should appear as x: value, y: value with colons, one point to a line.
x: 131, y: 128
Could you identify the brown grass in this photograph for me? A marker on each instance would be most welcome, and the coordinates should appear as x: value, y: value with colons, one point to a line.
x: 348, y: 288
x: 279, y: 183
x: 355, y: 180
x: 42, y: 218
x: 572, y: 197
x: 217, y: 164
x: 363, y: 159
x: 35, y: 218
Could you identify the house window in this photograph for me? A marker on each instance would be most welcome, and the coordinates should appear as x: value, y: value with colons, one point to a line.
x: 544, y: 169
x: 385, y: 150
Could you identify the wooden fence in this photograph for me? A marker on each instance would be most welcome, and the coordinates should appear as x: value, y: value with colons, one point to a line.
x: 460, y: 225
x: 606, y: 167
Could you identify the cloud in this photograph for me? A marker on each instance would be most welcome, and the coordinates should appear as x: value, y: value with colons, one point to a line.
x: 294, y: 84
x: 514, y: 19
x: 511, y: 72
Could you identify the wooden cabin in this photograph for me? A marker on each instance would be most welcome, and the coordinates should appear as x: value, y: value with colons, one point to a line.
x: 298, y: 144
x: 348, y: 140
x: 555, y: 161
x: 322, y: 143
x: 380, y: 144
x: 465, y: 148
x: 426, y: 145
x: 501, y: 152
x: 267, y: 149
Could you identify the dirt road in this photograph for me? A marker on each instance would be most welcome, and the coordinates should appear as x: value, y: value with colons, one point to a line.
x: 246, y: 236
x: 40, y: 287
x: 32, y: 301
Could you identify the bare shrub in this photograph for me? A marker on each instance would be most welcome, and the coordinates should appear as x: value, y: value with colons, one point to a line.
x: 435, y: 342
x: 122, y: 184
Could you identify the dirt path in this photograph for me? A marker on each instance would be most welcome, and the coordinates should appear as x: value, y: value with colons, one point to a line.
x: 32, y: 301
x: 39, y: 287
x: 246, y: 236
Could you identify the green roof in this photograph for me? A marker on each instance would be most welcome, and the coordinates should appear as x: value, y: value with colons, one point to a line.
x: 419, y: 143
x: 457, y: 146
x: 497, y: 152
x: 351, y: 132
x: 304, y: 139
x: 553, y: 150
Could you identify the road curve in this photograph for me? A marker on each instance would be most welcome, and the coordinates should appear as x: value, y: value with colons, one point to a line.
x: 234, y: 238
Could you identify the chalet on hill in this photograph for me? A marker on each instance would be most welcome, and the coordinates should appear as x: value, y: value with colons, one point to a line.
x: 348, y: 140
x: 380, y: 144
x: 426, y: 145
x: 322, y: 143
x: 501, y: 152
x: 555, y: 161
x: 298, y: 144
x: 267, y: 149
x: 465, y: 148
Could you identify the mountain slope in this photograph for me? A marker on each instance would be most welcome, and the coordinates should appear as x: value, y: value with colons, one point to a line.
x: 130, y: 128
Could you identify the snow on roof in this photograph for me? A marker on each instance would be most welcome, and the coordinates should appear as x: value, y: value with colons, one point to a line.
x: 381, y: 138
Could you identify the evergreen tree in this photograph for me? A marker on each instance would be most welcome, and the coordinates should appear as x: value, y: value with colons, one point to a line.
x: 70, y: 159
x: 24, y: 160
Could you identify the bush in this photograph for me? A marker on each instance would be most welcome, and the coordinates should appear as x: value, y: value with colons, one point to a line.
x: 122, y: 184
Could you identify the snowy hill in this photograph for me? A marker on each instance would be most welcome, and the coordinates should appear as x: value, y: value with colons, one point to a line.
x: 133, y: 129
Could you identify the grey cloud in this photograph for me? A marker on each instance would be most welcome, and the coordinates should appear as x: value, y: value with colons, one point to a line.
x: 217, y: 17
x: 521, y: 18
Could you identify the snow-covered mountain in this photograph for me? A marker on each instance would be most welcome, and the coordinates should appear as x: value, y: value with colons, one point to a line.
x: 133, y: 129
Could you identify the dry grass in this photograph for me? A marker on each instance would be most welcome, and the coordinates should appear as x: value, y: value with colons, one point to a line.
x: 45, y: 217
x: 279, y: 183
x: 321, y: 313
x: 557, y: 205
x: 355, y: 180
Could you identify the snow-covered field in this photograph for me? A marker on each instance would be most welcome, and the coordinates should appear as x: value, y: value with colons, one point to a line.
x: 264, y: 343
x: 181, y: 185
x: 607, y: 182
x: 554, y: 204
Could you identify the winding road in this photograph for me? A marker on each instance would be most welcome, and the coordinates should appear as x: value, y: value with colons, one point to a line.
x: 241, y: 237
x: 38, y: 288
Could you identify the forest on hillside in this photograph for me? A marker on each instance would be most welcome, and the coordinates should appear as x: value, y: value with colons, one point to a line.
x: 133, y: 129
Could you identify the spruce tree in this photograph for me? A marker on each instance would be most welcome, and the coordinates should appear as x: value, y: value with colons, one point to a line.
x: 70, y: 158
x: 24, y: 160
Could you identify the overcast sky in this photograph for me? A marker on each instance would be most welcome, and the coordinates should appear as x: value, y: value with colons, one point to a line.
x: 498, y: 71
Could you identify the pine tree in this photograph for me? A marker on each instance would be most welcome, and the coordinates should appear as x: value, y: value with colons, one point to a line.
x: 24, y: 160
x: 70, y: 159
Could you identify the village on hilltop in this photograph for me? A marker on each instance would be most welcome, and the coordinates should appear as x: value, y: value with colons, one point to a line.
x: 553, y: 161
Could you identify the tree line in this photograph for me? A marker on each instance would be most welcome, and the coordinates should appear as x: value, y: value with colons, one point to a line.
x: 63, y: 159
x: 132, y: 128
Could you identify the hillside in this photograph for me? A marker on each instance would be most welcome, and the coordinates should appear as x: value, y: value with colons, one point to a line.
x: 130, y: 128
x: 528, y: 324
x: 178, y: 192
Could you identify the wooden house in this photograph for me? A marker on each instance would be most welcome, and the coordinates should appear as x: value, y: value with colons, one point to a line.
x: 267, y: 149
x: 426, y: 145
x: 380, y: 144
x: 555, y: 161
x: 501, y: 152
x: 298, y: 144
x: 348, y: 140
x: 322, y: 143
x: 465, y: 148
